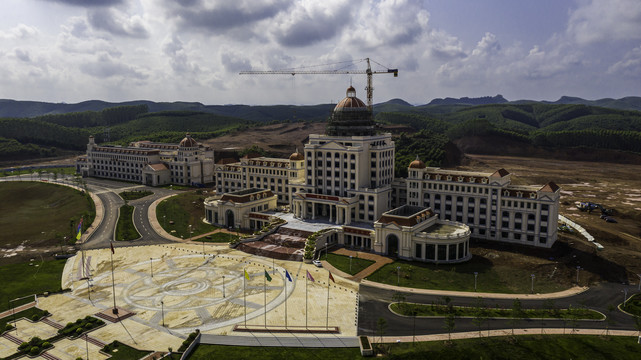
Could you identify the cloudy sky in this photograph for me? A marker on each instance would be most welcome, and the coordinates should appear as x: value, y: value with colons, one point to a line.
x: 192, y: 50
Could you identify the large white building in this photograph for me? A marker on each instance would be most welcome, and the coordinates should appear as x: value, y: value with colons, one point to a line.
x: 346, y: 176
x: 186, y: 163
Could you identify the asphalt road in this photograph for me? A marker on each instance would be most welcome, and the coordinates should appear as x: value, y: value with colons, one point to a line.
x: 374, y: 305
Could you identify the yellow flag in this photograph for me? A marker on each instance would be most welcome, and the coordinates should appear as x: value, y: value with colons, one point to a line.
x: 246, y: 274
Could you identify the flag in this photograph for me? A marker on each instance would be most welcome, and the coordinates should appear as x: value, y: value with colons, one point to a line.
x: 289, y: 277
x: 246, y: 274
x: 79, y: 226
x: 309, y: 276
x: 79, y: 234
x: 331, y: 277
x: 269, y: 278
x: 112, y: 248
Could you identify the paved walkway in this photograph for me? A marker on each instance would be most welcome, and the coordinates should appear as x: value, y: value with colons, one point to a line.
x: 380, y: 261
x: 284, y: 341
x: 561, y: 294
x: 17, y: 309
x: 502, y: 332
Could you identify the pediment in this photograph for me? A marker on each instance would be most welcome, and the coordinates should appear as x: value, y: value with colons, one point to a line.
x: 332, y: 145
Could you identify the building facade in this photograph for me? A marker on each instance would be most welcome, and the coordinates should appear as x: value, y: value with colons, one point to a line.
x: 346, y: 176
x: 186, y: 163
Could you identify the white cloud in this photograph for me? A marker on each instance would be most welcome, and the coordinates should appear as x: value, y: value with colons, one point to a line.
x: 19, y: 32
x: 118, y: 23
x: 104, y: 66
x: 629, y: 66
x: 605, y: 20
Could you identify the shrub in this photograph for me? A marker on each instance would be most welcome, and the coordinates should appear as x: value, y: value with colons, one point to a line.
x: 23, y: 346
x: 46, y: 344
x: 79, y: 331
x: 34, y: 350
x: 8, y: 327
x: 35, y: 317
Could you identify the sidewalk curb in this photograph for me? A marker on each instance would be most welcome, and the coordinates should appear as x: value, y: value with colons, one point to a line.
x: 561, y: 294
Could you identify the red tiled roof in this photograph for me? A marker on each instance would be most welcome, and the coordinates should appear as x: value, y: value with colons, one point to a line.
x: 550, y: 187
x: 500, y: 173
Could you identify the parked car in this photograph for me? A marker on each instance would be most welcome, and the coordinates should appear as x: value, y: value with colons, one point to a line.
x: 610, y: 220
x: 317, y: 263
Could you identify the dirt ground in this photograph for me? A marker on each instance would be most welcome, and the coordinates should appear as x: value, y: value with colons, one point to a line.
x: 614, y: 186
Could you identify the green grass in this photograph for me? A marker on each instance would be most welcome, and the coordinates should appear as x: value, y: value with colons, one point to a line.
x: 218, y: 238
x: 341, y: 262
x: 529, y: 347
x: 633, y: 305
x: 61, y: 170
x: 22, y: 279
x: 29, y: 313
x: 206, y: 352
x: 134, y: 195
x: 122, y: 351
x: 460, y: 277
x: 125, y: 230
x: 41, y: 213
x: 184, y: 209
x: 459, y: 311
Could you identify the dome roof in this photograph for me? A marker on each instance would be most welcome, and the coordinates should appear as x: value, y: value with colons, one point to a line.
x: 296, y: 156
x: 350, y: 102
x: 188, y: 142
x: 417, y: 164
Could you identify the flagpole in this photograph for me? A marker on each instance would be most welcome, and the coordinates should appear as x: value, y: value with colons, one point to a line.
x: 306, y: 302
x: 327, y: 318
x: 245, y: 295
x: 113, y: 281
x: 265, y: 298
x: 285, y: 281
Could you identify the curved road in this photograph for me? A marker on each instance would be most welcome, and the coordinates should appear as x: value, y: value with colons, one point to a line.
x: 374, y: 305
x: 107, y: 191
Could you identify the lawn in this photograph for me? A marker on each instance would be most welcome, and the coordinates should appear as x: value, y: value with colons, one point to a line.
x: 134, y: 195
x: 459, y: 311
x: 460, y: 277
x: 125, y: 230
x: 23, y: 279
x: 184, y: 209
x: 530, y: 347
x: 219, y: 237
x: 206, y: 352
x: 341, y: 262
x: 29, y: 314
x: 120, y: 351
x: 633, y: 305
x: 36, y: 213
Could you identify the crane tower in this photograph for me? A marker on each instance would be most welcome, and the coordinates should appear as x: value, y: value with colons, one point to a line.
x: 307, y: 71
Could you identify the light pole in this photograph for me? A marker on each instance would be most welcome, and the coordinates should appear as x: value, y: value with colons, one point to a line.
x: 398, y: 276
x: 578, y: 268
x: 87, y: 345
x: 350, y: 264
x: 189, y: 232
x: 223, y: 286
x: 639, y: 275
x: 475, y: 275
x: 162, y: 312
x: 532, y: 275
x: 151, y: 265
x: 625, y: 296
x: 164, y: 221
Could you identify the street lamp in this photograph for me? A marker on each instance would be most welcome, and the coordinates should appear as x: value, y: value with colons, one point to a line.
x: 223, y: 286
x: 151, y: 265
x: 189, y: 232
x: 398, y: 276
x: 475, y: 275
x: 162, y: 312
x: 625, y: 296
x: 87, y: 345
x: 532, y: 275
x: 639, y: 275
x: 164, y: 221
x: 350, y: 264
x: 578, y: 268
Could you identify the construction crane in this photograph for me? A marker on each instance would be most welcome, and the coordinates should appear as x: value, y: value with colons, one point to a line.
x: 307, y: 71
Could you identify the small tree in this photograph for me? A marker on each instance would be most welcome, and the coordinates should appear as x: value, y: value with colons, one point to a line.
x: 480, y: 314
x: 609, y: 320
x: 637, y: 324
x: 449, y: 326
x: 381, y: 326
x: 516, y: 312
x: 399, y: 297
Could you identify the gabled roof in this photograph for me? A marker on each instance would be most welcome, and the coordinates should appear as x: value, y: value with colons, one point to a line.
x: 157, y: 167
x: 500, y: 173
x: 550, y: 187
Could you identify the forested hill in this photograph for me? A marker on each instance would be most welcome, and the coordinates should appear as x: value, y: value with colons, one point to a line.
x: 29, y: 109
x: 550, y: 126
